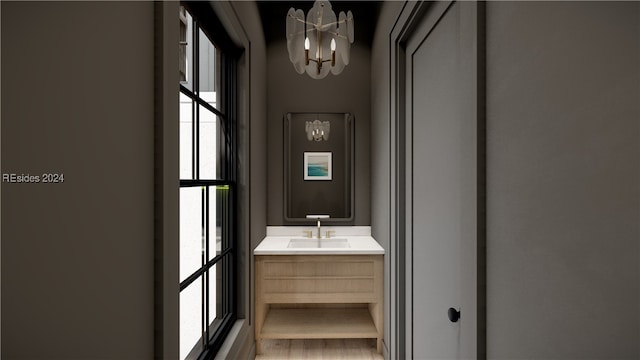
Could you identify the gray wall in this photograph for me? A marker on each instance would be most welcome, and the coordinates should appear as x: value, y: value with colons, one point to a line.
x: 77, y: 257
x: 381, y: 155
x: 563, y: 173
x: 287, y: 91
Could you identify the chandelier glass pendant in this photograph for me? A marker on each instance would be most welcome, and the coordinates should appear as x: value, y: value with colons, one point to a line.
x: 321, y: 43
x: 317, y: 130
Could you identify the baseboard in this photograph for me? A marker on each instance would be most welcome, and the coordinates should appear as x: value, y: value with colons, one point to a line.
x: 385, y: 350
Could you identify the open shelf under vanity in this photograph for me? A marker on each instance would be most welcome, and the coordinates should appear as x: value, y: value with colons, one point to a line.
x: 319, y: 323
x: 319, y: 297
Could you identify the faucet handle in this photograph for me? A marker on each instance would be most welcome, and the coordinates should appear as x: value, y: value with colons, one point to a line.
x: 309, y: 233
x: 329, y: 233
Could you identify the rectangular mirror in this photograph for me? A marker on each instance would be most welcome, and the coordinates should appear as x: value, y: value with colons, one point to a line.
x: 318, y: 166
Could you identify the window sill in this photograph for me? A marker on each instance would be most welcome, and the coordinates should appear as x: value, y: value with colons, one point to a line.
x: 232, y: 348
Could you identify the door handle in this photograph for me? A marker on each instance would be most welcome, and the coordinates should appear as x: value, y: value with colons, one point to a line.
x: 454, y: 315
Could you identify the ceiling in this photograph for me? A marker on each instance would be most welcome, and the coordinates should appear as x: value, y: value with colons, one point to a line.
x: 273, y: 15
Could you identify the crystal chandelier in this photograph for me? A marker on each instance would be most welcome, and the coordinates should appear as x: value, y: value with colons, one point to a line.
x: 326, y: 37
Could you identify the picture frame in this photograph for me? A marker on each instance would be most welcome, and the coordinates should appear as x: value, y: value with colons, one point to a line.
x: 317, y: 166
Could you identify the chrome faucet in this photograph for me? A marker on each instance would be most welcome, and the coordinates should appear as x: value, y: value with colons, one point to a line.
x: 318, y: 217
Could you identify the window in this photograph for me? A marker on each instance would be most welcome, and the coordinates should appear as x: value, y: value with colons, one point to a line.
x: 207, y: 185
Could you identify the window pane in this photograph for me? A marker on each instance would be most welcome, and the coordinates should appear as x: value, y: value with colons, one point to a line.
x: 191, y: 230
x: 212, y: 146
x: 218, y: 220
x: 219, y: 293
x: 190, y: 317
x: 205, y: 210
x: 225, y: 301
x: 186, y: 49
x: 209, y: 70
x: 186, y: 137
x: 214, y: 294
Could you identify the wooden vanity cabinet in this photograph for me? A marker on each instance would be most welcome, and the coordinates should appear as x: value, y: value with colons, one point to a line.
x: 318, y: 297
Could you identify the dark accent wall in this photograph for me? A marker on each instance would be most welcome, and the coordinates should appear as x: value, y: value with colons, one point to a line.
x: 289, y: 91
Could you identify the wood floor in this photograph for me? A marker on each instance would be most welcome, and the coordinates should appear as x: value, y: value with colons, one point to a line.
x: 334, y: 349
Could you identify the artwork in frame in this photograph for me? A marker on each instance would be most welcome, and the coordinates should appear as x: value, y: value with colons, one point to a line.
x: 317, y: 166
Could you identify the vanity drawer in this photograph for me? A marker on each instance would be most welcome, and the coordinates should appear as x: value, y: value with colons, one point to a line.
x: 335, y: 285
x: 316, y: 266
x: 347, y: 278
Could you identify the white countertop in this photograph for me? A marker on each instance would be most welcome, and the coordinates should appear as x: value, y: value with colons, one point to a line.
x: 278, y: 239
x: 338, y: 231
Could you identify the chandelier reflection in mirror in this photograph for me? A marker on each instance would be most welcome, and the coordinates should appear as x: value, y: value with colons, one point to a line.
x: 328, y: 38
x: 317, y: 130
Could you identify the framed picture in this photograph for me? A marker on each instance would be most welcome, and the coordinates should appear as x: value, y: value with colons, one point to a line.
x: 317, y: 166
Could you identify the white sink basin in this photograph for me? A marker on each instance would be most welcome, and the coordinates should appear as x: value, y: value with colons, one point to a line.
x: 318, y: 243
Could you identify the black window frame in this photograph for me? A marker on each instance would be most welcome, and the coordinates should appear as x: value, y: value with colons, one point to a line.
x: 205, y: 19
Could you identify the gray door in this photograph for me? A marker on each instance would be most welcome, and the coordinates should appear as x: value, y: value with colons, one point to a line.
x: 441, y: 182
